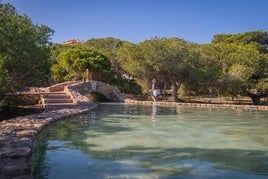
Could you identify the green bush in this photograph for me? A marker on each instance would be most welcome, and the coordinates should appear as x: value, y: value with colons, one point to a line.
x: 128, y: 86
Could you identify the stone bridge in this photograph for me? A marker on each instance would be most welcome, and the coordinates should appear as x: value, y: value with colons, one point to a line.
x: 79, y: 90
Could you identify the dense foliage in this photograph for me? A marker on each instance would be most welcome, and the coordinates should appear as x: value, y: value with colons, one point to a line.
x: 99, y: 56
x: 231, y: 65
x: 72, y: 64
x: 108, y: 47
x: 244, y: 64
x: 24, y: 52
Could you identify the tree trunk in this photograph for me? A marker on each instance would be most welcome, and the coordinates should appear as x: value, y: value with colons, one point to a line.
x: 256, y: 97
x: 165, y: 90
x: 175, y: 90
x: 210, y: 88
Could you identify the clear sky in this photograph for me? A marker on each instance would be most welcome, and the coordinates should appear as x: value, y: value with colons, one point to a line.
x: 137, y: 20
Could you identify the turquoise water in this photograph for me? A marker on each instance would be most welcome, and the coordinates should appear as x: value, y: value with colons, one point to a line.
x: 134, y: 141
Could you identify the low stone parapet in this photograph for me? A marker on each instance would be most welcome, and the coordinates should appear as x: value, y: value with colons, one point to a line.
x: 232, y: 106
x: 60, y: 86
x: 80, y: 90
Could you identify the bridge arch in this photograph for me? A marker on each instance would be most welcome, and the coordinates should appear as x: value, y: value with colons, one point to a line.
x: 91, y: 86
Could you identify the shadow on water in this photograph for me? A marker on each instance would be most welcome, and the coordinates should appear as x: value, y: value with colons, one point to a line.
x: 170, y: 161
x: 167, y: 161
x: 248, y: 161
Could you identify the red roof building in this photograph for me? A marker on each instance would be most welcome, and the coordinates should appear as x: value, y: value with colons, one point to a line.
x: 72, y: 42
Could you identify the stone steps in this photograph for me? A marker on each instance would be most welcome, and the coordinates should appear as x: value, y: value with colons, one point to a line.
x: 57, y: 99
x: 56, y: 95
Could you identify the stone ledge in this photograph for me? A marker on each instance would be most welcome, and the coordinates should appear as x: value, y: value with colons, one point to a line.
x: 18, y: 134
x: 232, y: 106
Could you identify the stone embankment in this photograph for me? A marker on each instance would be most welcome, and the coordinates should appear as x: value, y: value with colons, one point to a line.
x: 231, y: 106
x: 17, y: 135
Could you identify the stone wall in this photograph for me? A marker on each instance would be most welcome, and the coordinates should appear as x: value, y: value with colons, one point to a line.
x: 60, y: 86
x: 80, y: 90
x: 232, y: 106
x: 22, y: 99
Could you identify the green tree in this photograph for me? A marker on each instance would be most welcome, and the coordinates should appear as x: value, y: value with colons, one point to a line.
x: 108, y: 47
x: 56, y: 50
x: 245, y: 64
x: 133, y: 64
x: 232, y: 69
x: 204, y: 70
x: 72, y: 63
x: 24, y: 52
x: 260, y: 37
x: 214, y: 64
x: 168, y: 57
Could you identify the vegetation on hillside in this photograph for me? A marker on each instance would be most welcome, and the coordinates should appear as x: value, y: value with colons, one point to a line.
x: 24, y: 52
x: 222, y: 68
x: 231, y: 65
x: 72, y: 63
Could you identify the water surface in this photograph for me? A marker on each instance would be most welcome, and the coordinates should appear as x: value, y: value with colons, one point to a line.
x: 134, y: 141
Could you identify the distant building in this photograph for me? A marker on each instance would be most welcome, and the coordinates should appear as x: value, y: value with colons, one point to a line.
x: 72, y: 42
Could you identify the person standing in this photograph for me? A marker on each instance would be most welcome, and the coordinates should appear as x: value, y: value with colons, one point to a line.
x: 88, y: 75
x: 155, y: 89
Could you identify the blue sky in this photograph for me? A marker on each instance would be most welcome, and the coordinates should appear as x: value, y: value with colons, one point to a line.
x: 138, y: 20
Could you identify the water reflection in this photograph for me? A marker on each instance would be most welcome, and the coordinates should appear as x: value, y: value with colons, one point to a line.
x: 154, y: 112
x: 174, y: 142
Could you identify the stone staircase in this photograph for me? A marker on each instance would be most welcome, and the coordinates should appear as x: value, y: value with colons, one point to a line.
x: 56, y: 98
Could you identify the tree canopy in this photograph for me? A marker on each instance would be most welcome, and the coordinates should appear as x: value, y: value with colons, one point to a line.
x: 246, y: 64
x: 259, y: 37
x: 231, y: 65
x: 109, y: 47
x: 24, y: 53
x: 72, y: 64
